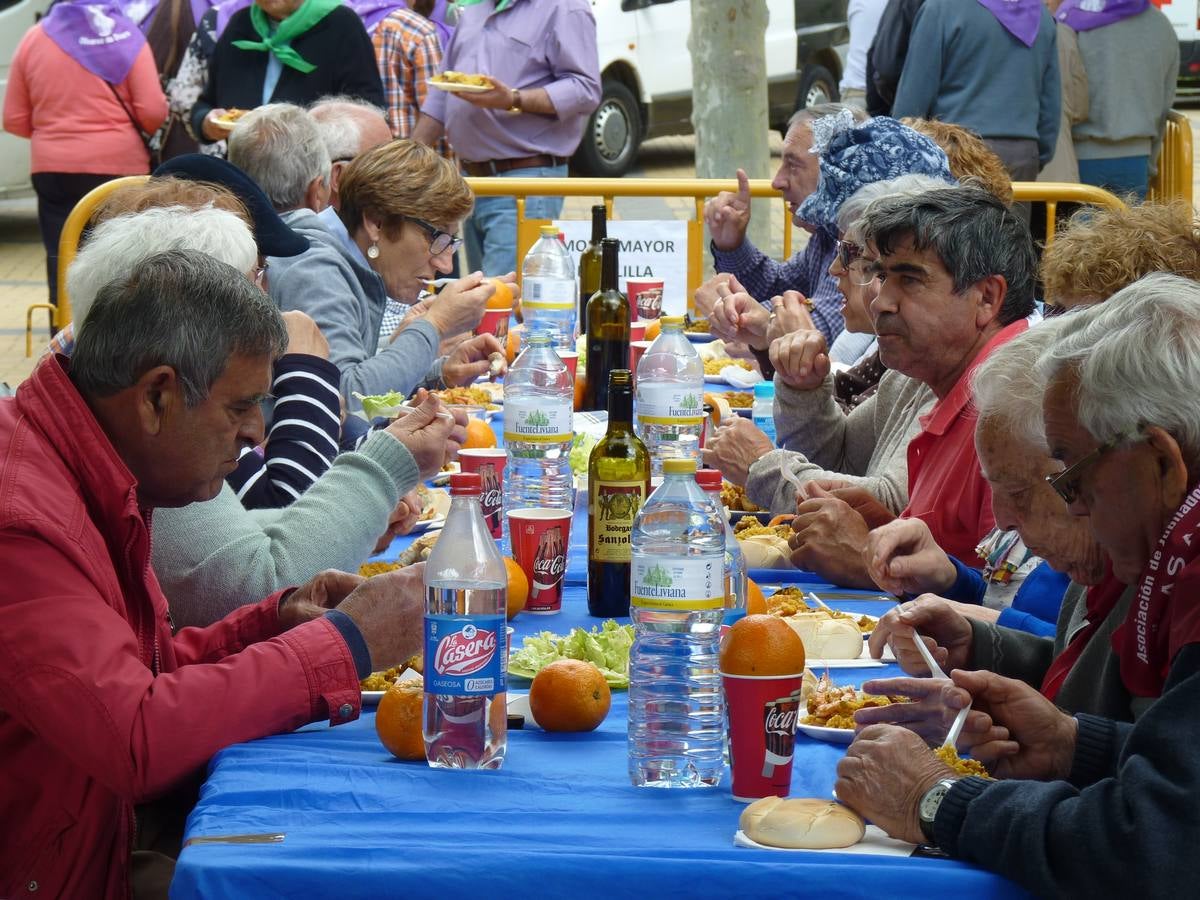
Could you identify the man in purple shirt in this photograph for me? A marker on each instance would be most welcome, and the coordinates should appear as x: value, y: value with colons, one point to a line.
x: 541, y: 58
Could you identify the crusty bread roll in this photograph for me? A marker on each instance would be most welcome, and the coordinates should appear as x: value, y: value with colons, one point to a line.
x: 826, y: 638
x: 801, y: 824
x: 766, y: 551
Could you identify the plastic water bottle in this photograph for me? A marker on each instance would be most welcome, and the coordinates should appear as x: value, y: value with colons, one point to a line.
x: 466, y: 657
x: 762, y: 413
x: 677, y: 602
x: 539, y: 400
x: 548, y: 291
x: 735, y: 560
x: 670, y: 396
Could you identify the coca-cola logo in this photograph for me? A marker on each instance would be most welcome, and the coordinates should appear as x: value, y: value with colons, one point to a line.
x: 464, y: 652
x: 552, y: 567
x: 781, y: 721
x: 491, y: 499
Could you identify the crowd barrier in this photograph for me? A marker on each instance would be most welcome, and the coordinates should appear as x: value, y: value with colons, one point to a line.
x: 1174, y: 178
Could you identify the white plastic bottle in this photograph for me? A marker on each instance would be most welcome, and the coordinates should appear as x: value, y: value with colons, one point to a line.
x: 539, y: 401
x: 735, y: 560
x: 762, y: 413
x: 465, y: 721
x: 549, y: 293
x: 670, y: 396
x: 677, y: 602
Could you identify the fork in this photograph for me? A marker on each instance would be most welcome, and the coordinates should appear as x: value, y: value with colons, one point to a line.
x: 956, y: 726
x: 267, y: 838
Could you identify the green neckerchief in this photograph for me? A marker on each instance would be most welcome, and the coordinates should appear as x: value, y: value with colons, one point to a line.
x: 500, y: 6
x: 280, y: 43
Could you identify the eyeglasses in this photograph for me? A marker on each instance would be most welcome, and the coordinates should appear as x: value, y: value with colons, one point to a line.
x: 1066, y: 482
x: 439, y: 241
x: 260, y: 275
x: 849, y: 257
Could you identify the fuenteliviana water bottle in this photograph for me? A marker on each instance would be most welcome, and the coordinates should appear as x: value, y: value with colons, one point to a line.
x: 762, y: 412
x: 677, y: 602
x: 466, y: 660
x: 549, y: 293
x: 670, y: 396
x: 735, y: 560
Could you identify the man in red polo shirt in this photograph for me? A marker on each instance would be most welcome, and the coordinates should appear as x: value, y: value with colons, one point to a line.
x: 957, y: 277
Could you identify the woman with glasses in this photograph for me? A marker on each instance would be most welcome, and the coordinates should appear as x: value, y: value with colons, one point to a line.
x: 395, y: 230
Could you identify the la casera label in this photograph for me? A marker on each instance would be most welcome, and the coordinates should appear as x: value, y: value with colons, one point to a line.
x: 465, y: 655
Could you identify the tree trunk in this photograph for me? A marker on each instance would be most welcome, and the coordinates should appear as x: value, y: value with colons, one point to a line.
x: 729, y: 96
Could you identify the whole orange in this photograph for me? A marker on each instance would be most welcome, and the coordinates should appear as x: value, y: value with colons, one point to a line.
x: 570, y: 695
x: 503, y: 298
x: 518, y: 587
x: 756, y: 600
x: 758, y: 645
x: 479, y: 434
x: 653, y: 330
x: 513, y: 346
x: 398, y: 719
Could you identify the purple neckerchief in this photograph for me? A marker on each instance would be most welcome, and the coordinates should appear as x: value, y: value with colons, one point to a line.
x: 225, y: 11
x: 97, y: 36
x: 372, y: 12
x: 199, y: 8
x: 1020, y: 18
x: 1084, y: 15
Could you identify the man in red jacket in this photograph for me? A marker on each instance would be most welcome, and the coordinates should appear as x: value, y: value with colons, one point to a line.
x: 102, y: 708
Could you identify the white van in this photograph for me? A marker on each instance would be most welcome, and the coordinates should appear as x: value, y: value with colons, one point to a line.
x: 16, y: 17
x: 1185, y: 16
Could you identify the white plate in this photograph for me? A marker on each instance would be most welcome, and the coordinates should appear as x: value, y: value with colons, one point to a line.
x: 699, y: 337
x: 428, y: 525
x: 372, y: 698
x: 874, y: 843
x: 863, y: 661
x: 720, y: 379
x: 829, y: 735
x: 456, y: 88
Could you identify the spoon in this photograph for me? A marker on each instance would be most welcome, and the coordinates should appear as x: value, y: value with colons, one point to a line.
x: 956, y: 726
x: 817, y: 600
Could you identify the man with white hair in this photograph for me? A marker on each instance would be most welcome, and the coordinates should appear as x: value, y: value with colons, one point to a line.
x: 279, y: 146
x: 349, y: 127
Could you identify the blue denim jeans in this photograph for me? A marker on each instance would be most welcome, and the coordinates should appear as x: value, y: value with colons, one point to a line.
x: 491, y: 230
x: 1123, y: 175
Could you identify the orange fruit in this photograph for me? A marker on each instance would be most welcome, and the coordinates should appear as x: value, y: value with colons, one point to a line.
x: 653, y: 330
x: 479, y: 434
x: 761, y: 645
x: 503, y: 298
x: 518, y: 587
x: 513, y: 346
x: 781, y: 519
x: 570, y: 695
x: 756, y: 600
x: 398, y: 719
x: 580, y: 389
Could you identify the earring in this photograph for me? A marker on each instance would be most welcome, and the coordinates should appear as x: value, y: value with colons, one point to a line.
x: 373, y: 252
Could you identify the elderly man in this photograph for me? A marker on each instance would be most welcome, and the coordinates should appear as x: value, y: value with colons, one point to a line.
x: 102, y: 708
x: 349, y: 127
x: 1086, y: 806
x: 956, y: 271
x: 298, y: 181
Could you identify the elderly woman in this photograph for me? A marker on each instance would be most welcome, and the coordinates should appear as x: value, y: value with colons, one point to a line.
x: 1101, y: 808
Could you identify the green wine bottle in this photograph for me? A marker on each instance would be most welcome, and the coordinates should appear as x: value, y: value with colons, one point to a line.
x: 607, y: 331
x: 589, y: 264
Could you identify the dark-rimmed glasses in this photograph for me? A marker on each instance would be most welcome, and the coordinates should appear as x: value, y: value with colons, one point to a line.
x: 439, y: 241
x: 1066, y: 482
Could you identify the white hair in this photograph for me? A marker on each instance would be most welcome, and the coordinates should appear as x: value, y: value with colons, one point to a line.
x: 1009, y: 384
x: 1137, y: 358
x: 339, y: 120
x: 855, y: 207
x: 280, y: 147
x: 115, y: 247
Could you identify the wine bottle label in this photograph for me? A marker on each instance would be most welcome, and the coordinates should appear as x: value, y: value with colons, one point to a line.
x: 669, y: 404
x: 548, y: 293
x: 538, y: 421
x: 613, y: 505
x: 677, y: 582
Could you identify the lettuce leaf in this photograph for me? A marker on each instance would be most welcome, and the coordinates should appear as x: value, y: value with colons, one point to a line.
x: 381, y: 404
x: 607, y: 648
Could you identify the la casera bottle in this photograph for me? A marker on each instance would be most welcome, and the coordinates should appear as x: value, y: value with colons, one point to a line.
x: 618, y: 484
x: 590, y: 263
x: 607, y: 331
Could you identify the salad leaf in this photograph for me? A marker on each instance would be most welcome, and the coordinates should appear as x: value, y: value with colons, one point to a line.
x: 581, y: 451
x: 381, y: 404
x: 607, y: 648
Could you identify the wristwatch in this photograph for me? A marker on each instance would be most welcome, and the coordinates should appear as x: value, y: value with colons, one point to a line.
x: 931, y: 802
x: 516, y: 101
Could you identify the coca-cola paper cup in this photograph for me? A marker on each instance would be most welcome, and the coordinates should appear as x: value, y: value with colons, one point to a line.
x: 539, y: 541
x: 637, y: 349
x: 489, y: 463
x: 637, y: 330
x: 495, y: 322
x: 645, y: 298
x: 571, y: 358
x: 763, y: 712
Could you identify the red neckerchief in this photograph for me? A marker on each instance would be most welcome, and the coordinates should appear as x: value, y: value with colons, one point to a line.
x: 1162, y: 618
x: 1101, y: 598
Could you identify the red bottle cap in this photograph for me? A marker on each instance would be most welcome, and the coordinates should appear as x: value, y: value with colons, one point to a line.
x: 466, y: 483
x: 709, y: 479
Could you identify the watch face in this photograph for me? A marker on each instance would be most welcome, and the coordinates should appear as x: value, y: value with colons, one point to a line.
x: 932, y: 800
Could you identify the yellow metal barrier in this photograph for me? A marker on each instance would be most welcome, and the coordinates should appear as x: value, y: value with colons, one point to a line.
x: 1174, y: 178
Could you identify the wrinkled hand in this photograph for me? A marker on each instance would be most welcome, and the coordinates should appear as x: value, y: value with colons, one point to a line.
x: 304, y: 336
x: 707, y: 295
x: 819, y: 487
x: 727, y: 215
x: 472, y: 358
x: 946, y: 633
x: 829, y: 540
x: 801, y: 359
x: 212, y: 129
x: 884, y: 775
x: 934, y: 703
x: 459, y: 306
x: 903, y: 558
x: 859, y: 499
x: 433, y: 440
x: 735, y: 447
x: 319, y: 594
x: 389, y: 610
x: 790, y: 312
x: 415, y: 313
x: 738, y: 317
x: 1041, y: 742
x: 401, y: 521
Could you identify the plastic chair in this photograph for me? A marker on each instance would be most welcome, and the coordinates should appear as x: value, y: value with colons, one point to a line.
x: 68, y: 246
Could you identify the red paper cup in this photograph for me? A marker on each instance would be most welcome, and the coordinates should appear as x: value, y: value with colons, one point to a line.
x: 637, y: 330
x: 539, y: 540
x: 489, y: 463
x: 763, y: 712
x: 495, y: 321
x: 636, y: 350
x: 645, y: 298
x: 571, y: 358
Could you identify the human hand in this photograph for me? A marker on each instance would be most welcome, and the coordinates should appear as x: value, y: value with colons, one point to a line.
x: 790, y: 312
x: 884, y: 775
x: 415, y: 314
x: 459, y: 306
x: 829, y: 537
x: 738, y: 317
x: 707, y: 295
x: 903, y: 558
x: 389, y: 610
x: 801, y: 359
x: 499, y: 96
x: 933, y: 704
x: 1041, y: 737
x: 945, y: 632
x: 727, y: 215
x: 319, y: 594
x: 859, y: 499
x: 304, y: 336
x: 401, y: 521
x: 472, y: 358
x: 734, y: 448
x: 431, y: 437
x: 819, y: 487
x: 214, y: 130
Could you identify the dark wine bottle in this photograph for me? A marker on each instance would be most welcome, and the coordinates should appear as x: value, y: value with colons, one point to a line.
x: 590, y: 263
x: 618, y: 484
x: 607, y: 331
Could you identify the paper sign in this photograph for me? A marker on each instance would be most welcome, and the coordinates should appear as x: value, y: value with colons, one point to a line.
x: 649, y: 249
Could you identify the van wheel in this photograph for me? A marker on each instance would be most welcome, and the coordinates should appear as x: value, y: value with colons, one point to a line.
x: 612, y: 136
x: 818, y: 86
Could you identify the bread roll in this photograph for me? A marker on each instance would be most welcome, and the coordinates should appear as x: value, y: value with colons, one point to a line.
x: 826, y: 638
x: 766, y: 551
x: 801, y: 824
